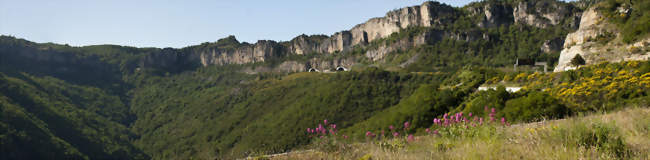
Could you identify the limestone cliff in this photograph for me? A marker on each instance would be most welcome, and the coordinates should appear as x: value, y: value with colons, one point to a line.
x: 599, y: 41
x: 545, y: 13
x: 433, y: 15
x: 538, y: 13
x: 426, y: 15
x: 372, y: 39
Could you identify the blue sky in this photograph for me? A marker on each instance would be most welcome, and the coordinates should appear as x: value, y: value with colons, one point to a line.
x: 179, y: 23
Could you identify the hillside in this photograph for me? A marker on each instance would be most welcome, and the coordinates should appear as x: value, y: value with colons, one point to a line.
x: 618, y: 135
x: 45, y: 117
x: 228, y: 99
x: 611, y: 31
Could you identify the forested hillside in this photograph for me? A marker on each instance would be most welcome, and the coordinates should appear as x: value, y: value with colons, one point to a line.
x: 46, y: 118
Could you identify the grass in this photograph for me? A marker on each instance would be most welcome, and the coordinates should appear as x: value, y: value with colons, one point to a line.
x: 620, y: 135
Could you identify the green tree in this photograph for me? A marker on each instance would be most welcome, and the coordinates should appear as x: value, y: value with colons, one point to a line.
x: 577, y: 60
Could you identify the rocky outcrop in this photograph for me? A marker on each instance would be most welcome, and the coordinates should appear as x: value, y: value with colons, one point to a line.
x: 545, y: 13
x: 324, y: 65
x: 426, y: 15
x: 304, y: 44
x: 257, y: 52
x: 429, y: 14
x: 591, y: 43
x: 553, y: 45
x: 538, y: 13
x: 492, y: 14
x: 428, y: 37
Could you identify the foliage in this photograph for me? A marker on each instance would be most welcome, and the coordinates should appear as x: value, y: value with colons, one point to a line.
x: 577, y: 60
x: 47, y: 118
x: 534, y: 106
x: 209, y: 111
x: 632, y: 17
x: 599, y: 136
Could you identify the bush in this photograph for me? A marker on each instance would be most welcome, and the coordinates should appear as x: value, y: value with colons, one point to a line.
x: 604, y: 137
x: 534, y: 106
x: 577, y: 60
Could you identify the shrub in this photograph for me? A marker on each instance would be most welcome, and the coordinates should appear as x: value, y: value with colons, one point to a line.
x: 534, y: 106
x: 577, y: 60
x: 604, y: 137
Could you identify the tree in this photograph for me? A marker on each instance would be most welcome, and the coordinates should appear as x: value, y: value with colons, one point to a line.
x: 577, y: 60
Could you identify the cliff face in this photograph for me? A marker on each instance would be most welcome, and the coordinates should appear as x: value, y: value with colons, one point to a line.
x: 541, y: 14
x: 538, y: 13
x: 434, y: 16
x: 426, y: 15
x: 492, y: 14
x: 544, y: 14
x: 257, y: 52
x: 598, y: 41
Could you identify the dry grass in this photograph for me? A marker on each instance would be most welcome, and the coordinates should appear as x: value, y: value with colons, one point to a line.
x: 560, y: 139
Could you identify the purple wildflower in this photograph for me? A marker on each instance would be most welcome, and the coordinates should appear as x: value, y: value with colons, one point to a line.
x: 410, y: 138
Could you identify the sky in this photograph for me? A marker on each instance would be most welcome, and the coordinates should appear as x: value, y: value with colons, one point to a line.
x: 180, y: 23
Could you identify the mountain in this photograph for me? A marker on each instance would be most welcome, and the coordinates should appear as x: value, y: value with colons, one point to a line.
x: 228, y: 99
x: 609, y: 32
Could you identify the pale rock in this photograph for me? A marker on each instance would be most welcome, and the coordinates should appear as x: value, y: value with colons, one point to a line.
x: 592, y: 25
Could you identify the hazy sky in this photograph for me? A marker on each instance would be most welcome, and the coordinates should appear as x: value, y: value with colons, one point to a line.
x: 179, y: 23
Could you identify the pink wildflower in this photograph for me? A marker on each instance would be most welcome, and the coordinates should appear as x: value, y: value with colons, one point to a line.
x: 325, y: 121
x: 470, y: 114
x: 406, y: 125
x: 435, y: 132
x: 428, y: 130
x: 410, y: 138
x: 368, y: 134
x: 503, y: 120
x: 395, y: 134
x: 480, y: 121
x: 345, y: 137
x: 493, y: 110
x: 391, y: 127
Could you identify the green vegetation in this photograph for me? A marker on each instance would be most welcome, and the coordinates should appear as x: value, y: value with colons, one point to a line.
x: 618, y: 135
x: 577, y: 60
x: 210, y: 111
x: 632, y: 17
x: 491, y: 47
x: 43, y: 118
x: 112, y: 102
